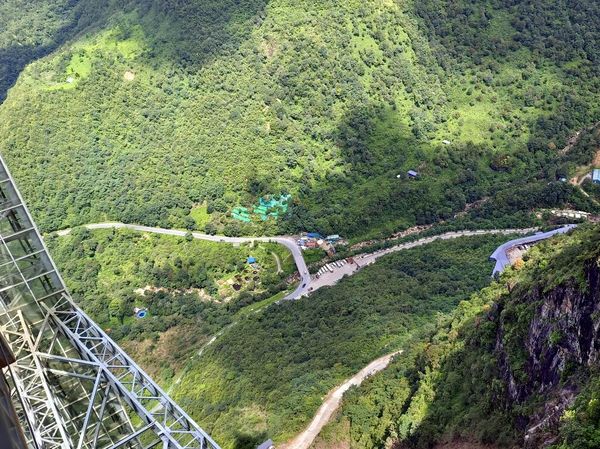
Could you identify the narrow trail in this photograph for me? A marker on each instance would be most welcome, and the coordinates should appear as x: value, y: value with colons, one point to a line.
x: 278, y: 262
x: 333, y: 401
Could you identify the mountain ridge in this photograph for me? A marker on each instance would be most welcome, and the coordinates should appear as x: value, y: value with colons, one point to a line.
x: 161, y: 107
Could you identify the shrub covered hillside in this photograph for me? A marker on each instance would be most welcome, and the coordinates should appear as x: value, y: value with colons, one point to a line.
x: 266, y: 375
x: 162, y: 105
x: 190, y: 289
x: 516, y: 366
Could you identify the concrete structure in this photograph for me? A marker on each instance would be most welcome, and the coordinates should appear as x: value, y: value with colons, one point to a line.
x: 500, y: 255
x: 73, y: 387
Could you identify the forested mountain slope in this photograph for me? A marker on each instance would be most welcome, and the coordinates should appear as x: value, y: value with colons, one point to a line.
x: 266, y: 375
x: 516, y: 366
x: 144, y: 108
x: 31, y: 30
x: 190, y: 289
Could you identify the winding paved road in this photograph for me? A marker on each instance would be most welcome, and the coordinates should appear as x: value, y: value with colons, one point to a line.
x: 501, y: 254
x: 362, y: 260
x: 333, y: 399
x: 307, y: 283
x: 288, y: 242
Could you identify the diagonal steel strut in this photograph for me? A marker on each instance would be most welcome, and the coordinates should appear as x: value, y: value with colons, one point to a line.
x: 75, y: 387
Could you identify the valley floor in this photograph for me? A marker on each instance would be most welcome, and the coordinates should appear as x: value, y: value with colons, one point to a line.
x: 332, y: 401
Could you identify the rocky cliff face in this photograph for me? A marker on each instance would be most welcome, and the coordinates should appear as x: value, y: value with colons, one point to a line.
x: 561, y: 338
x: 515, y: 366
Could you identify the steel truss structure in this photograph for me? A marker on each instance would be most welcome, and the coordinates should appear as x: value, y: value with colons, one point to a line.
x: 11, y: 434
x: 72, y: 386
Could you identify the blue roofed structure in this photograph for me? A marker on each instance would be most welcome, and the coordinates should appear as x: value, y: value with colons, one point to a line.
x: 501, y: 253
x: 251, y: 260
x: 412, y: 174
x: 596, y: 175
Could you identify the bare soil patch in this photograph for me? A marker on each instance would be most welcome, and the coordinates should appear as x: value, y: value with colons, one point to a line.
x: 596, y: 161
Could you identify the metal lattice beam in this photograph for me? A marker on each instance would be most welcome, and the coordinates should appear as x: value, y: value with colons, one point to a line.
x: 74, y: 387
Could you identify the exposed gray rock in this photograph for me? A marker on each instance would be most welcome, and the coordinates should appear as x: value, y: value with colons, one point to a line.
x: 564, y: 332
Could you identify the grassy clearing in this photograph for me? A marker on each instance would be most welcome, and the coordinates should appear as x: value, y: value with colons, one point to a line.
x: 257, y: 307
x: 200, y: 215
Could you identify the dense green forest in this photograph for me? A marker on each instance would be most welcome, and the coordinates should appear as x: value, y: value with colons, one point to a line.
x: 266, y: 375
x: 486, y: 374
x: 29, y: 31
x: 160, y: 106
x: 174, y: 113
x: 190, y: 288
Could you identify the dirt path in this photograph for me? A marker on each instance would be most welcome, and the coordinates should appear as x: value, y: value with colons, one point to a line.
x: 278, y: 262
x: 332, y: 402
x: 583, y: 178
x: 574, y: 139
